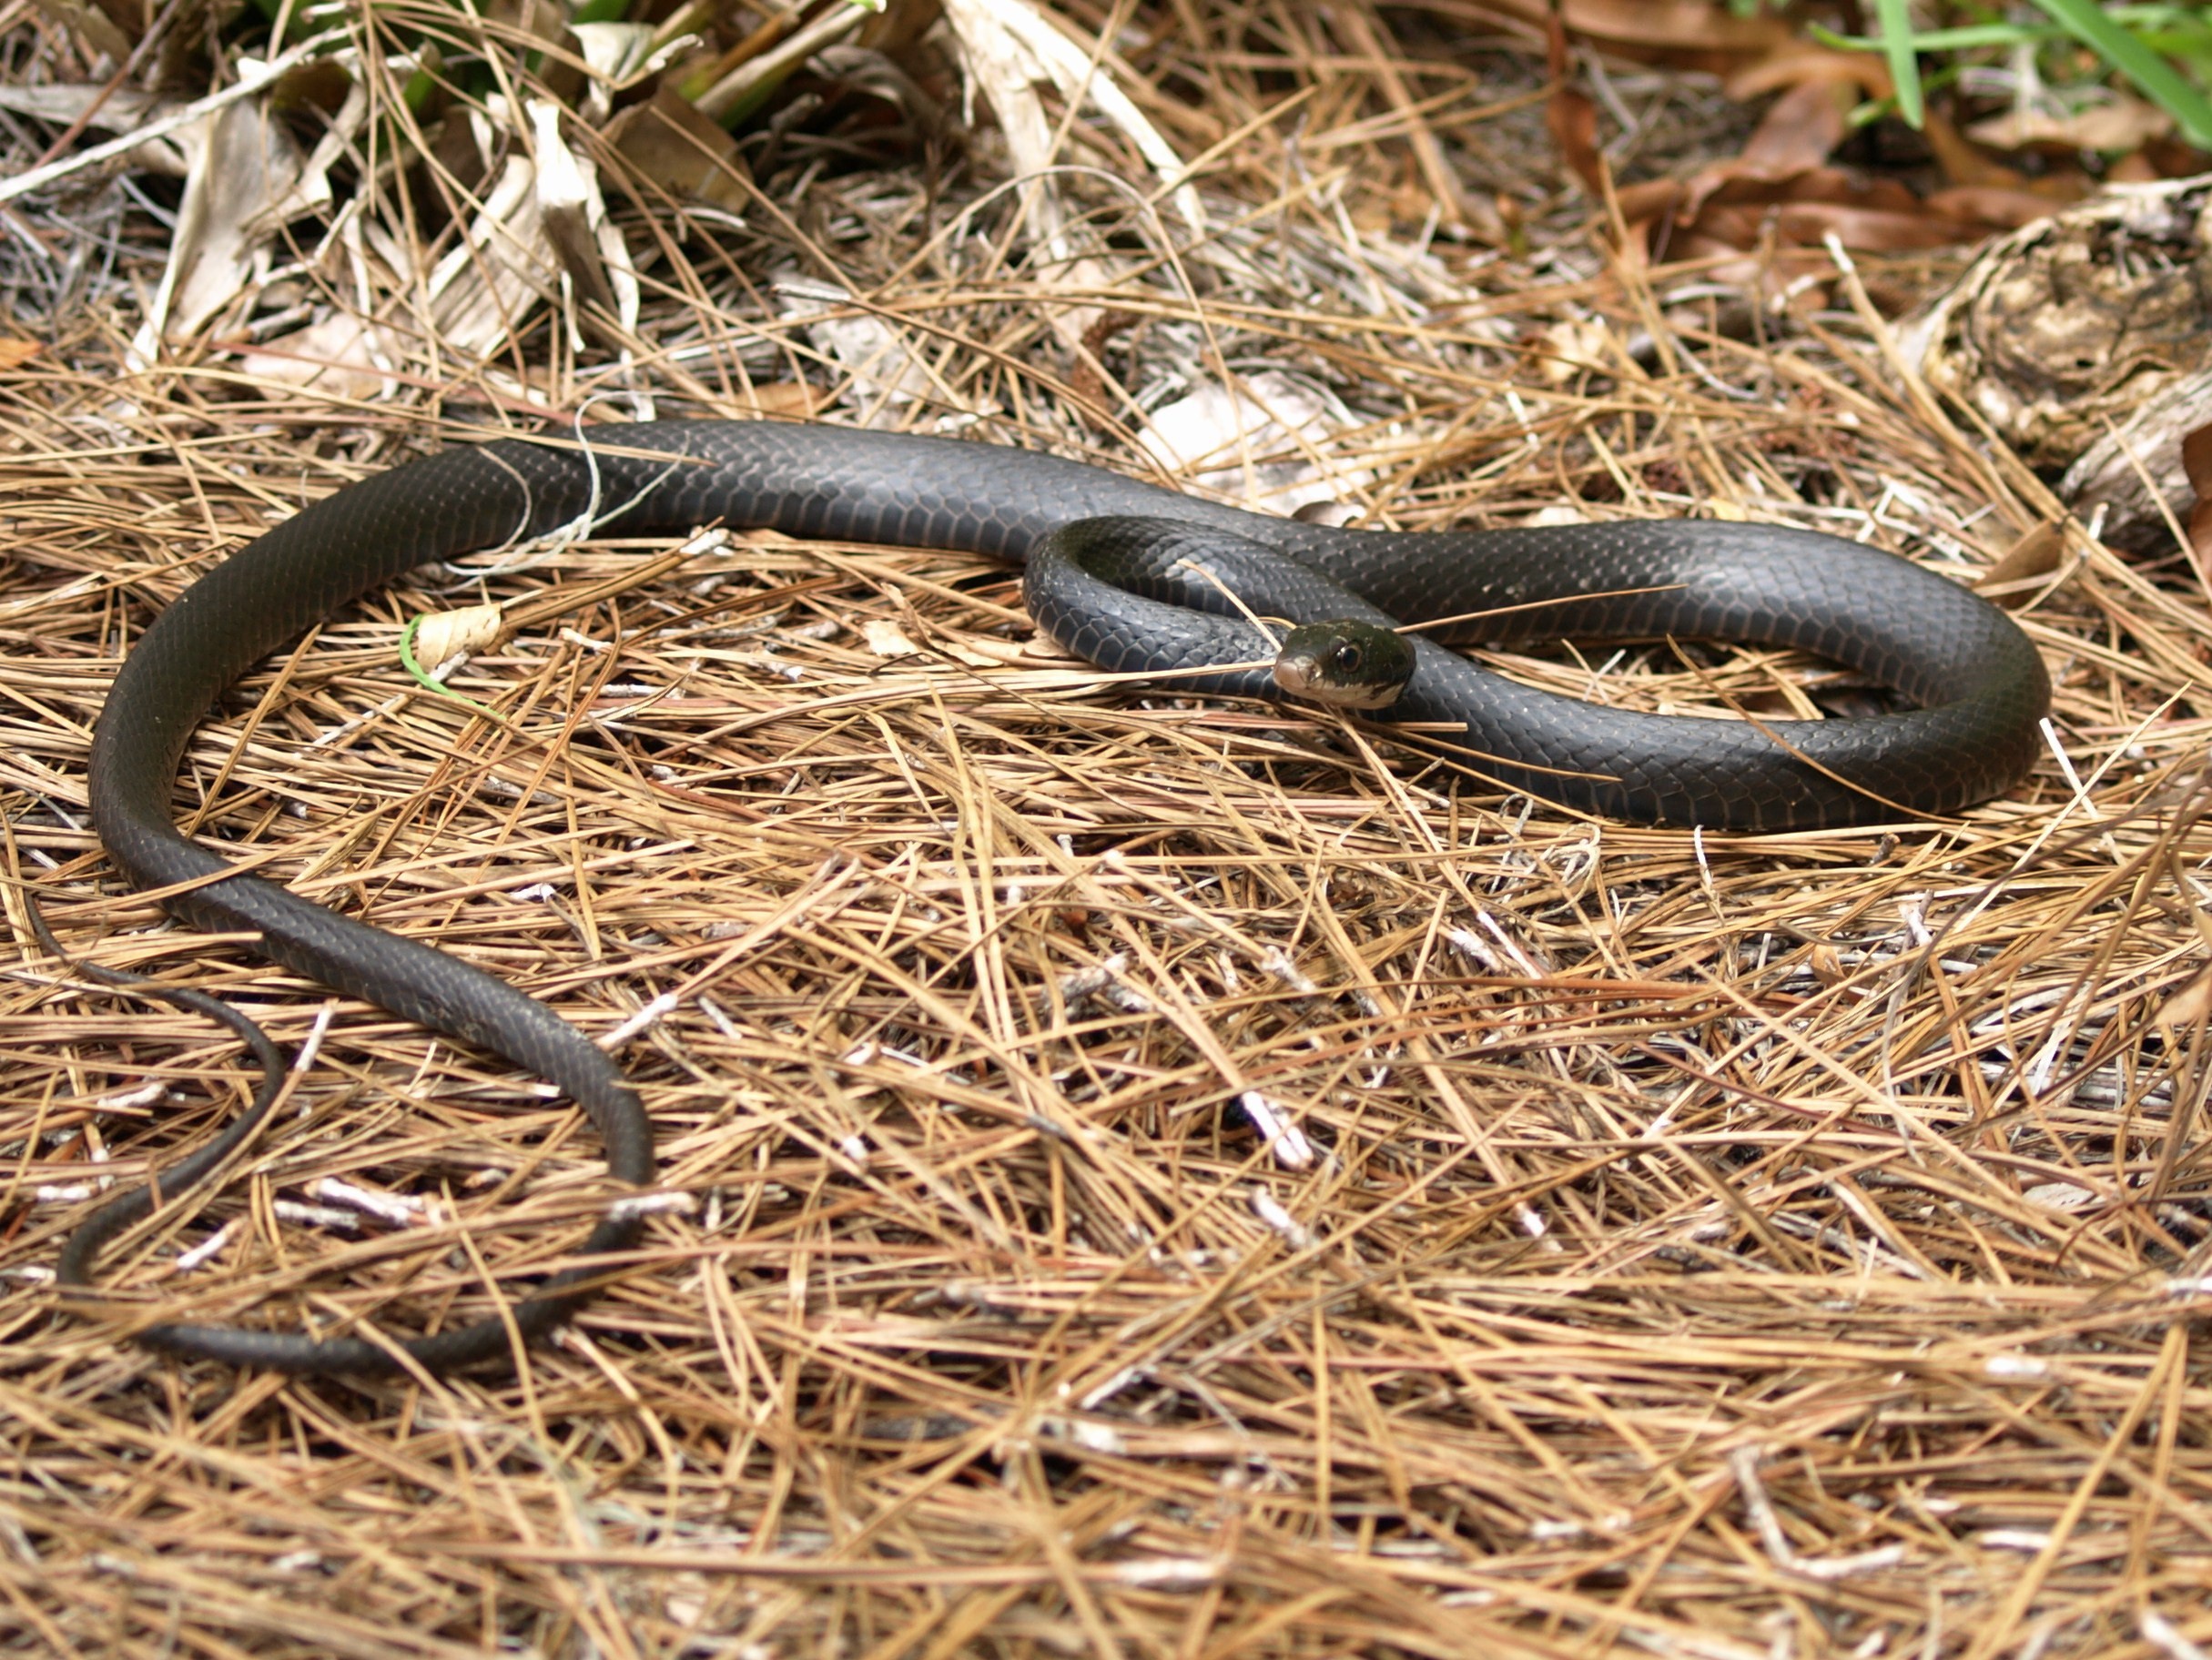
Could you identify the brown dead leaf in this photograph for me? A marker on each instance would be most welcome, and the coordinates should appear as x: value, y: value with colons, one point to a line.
x: 1873, y: 229
x: 2196, y: 459
x: 1681, y: 34
x: 1970, y: 166
x: 1963, y: 162
x: 1570, y: 115
x: 2188, y: 1006
x: 1649, y: 198
x: 2035, y: 554
x: 15, y: 353
x: 1782, y: 192
x: 2123, y: 124
x: 1794, y: 138
x: 2196, y: 463
x: 1796, y: 61
x: 794, y: 399
x: 1573, y: 121
x: 1098, y: 395
x: 1799, y: 129
x: 670, y: 143
x: 1993, y: 207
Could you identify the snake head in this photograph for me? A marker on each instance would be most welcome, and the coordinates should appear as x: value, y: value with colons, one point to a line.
x: 1352, y: 665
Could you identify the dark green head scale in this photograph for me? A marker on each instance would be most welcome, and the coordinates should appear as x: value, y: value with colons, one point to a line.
x: 1352, y: 666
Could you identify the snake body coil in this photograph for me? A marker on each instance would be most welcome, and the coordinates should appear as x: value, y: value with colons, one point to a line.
x: 1981, y: 684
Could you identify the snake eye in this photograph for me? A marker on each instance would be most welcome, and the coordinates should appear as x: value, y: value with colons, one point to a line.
x: 1348, y: 657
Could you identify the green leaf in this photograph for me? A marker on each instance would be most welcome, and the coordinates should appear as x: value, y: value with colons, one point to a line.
x: 1894, y: 19
x: 1942, y: 40
x: 2156, y: 79
x: 2166, y: 29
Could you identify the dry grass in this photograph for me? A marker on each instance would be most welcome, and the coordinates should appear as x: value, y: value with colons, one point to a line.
x: 1721, y: 1247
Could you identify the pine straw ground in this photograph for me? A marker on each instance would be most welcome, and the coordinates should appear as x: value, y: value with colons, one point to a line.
x: 1721, y: 1247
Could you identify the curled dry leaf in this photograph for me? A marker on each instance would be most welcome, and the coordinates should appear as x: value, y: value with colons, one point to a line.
x: 2000, y: 189
x: 1779, y: 195
x: 1575, y: 347
x: 1792, y: 140
x: 1996, y: 206
x: 1796, y: 61
x: 1569, y: 115
x: 442, y: 634
x: 886, y: 638
x: 1781, y: 189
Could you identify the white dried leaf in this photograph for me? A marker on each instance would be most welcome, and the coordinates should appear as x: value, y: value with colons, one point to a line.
x: 1574, y: 347
x: 882, y: 371
x: 571, y: 211
x: 620, y: 53
x: 246, y: 161
x: 1008, y: 48
x: 887, y: 639
x: 1009, y: 45
x: 310, y: 192
x: 2059, y: 1196
x: 2123, y: 124
x: 124, y: 109
x: 1257, y: 443
x: 480, y: 289
x: 339, y: 355
x: 448, y: 634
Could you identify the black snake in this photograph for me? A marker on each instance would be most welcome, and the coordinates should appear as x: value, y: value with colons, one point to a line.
x: 1981, y: 686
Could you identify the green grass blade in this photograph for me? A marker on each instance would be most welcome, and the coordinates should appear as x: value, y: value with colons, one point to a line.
x: 2155, y: 79
x: 1964, y: 39
x: 1894, y: 19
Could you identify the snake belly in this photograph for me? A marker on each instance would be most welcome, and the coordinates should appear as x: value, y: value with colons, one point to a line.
x: 1979, y: 684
